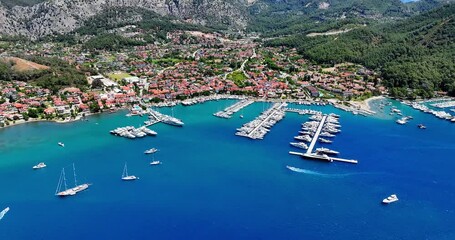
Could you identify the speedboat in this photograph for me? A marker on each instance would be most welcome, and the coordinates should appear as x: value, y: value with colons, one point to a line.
x: 241, y: 116
x: 61, y: 144
x: 40, y: 165
x: 155, y: 163
x: 390, y: 199
x: 151, y: 150
x: 421, y: 126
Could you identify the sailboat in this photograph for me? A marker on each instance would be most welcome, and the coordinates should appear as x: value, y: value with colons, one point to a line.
x: 125, y: 176
x: 69, y: 191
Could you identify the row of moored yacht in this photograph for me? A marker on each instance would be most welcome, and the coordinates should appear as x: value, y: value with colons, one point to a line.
x: 132, y: 132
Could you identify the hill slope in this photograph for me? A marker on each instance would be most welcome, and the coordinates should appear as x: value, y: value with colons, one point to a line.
x: 417, y: 53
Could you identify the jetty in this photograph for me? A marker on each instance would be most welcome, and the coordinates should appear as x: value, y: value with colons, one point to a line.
x: 316, y: 135
x: 227, y: 112
x: 257, y: 128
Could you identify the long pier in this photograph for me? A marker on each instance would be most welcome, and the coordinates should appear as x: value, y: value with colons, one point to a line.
x: 266, y: 119
x: 316, y: 135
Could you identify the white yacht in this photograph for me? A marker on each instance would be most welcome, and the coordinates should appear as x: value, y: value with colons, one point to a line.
x: 390, y: 199
x: 39, y: 166
x: 401, y: 121
x: 126, y: 177
x: 155, y: 163
x: 326, y: 134
x: 61, y: 144
x: 151, y: 151
x: 299, y: 145
x: 326, y: 151
x: 323, y: 140
x: 303, y: 138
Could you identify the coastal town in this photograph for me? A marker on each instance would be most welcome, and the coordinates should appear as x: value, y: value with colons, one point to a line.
x: 191, y: 65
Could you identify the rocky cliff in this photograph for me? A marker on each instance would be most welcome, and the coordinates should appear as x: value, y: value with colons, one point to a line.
x: 61, y: 16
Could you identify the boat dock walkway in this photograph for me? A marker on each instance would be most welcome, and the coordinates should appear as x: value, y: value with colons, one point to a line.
x: 321, y: 157
x: 227, y: 112
x: 272, y: 113
x: 316, y: 135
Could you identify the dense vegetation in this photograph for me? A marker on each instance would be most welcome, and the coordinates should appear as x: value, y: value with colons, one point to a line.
x: 110, y: 42
x: 278, y: 18
x: 417, y: 53
x: 61, y: 74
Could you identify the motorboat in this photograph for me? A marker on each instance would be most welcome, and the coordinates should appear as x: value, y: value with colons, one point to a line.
x: 39, y: 166
x: 390, y: 199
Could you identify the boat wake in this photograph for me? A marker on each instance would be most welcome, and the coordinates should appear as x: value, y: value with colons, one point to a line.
x: 326, y: 175
x: 3, y: 213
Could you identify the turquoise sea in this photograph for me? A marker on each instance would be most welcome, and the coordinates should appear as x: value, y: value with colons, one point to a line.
x: 215, y: 185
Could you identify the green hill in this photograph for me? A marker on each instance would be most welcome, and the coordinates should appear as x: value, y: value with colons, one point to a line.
x: 416, y: 53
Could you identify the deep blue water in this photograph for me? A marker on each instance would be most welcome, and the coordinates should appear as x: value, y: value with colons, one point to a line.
x: 213, y: 184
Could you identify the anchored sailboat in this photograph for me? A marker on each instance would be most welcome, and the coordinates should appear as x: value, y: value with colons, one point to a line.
x: 69, y: 191
x: 125, y: 176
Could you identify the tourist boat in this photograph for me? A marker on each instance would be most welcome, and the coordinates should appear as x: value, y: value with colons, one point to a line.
x: 69, y: 191
x: 61, y: 144
x: 151, y: 151
x: 3, y: 212
x: 323, y: 140
x: 299, y: 145
x: 421, y: 126
x: 155, y: 163
x: 39, y: 166
x: 390, y: 199
x: 126, y: 177
x: 326, y: 151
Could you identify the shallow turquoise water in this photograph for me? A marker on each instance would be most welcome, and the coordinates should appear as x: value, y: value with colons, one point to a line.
x: 213, y: 184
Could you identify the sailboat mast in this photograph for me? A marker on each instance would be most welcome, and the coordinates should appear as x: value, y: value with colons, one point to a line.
x: 59, y: 185
x: 64, y: 178
x: 74, y: 172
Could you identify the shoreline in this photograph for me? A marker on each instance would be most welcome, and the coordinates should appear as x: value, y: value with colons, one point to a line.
x: 20, y: 122
x: 363, y: 105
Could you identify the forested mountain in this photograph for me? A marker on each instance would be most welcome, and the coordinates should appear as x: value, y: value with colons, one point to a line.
x: 417, y: 53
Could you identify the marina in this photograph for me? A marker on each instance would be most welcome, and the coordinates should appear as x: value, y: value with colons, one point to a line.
x: 259, y: 127
x: 320, y: 125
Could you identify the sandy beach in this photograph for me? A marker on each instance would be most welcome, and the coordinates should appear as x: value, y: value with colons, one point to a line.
x: 365, y: 105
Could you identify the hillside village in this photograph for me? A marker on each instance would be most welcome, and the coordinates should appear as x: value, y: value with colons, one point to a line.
x: 192, y: 64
